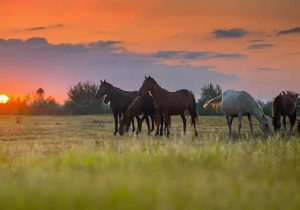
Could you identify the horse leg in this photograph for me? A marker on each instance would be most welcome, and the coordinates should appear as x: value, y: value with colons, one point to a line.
x: 166, y: 116
x: 250, y: 123
x: 152, y: 122
x: 229, y: 123
x: 193, y: 114
x: 240, y: 123
x: 284, y: 122
x: 158, y: 121
x: 162, y: 126
x: 148, y: 123
x: 116, y: 117
x: 184, y: 122
x: 292, y: 119
x: 133, y: 126
x: 140, y: 121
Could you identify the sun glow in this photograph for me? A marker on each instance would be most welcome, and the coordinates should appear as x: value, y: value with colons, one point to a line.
x: 4, y: 99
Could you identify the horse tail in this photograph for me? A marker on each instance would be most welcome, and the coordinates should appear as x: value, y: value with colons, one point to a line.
x: 214, y: 102
x: 193, y: 110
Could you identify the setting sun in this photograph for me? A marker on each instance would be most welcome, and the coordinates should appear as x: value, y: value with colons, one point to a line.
x: 4, y: 99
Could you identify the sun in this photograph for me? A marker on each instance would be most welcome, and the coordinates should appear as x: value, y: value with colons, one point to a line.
x: 4, y: 99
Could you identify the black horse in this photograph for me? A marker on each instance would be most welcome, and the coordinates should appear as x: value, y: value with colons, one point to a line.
x: 119, y: 100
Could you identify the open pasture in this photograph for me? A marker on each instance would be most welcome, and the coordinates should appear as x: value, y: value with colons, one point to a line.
x: 75, y: 162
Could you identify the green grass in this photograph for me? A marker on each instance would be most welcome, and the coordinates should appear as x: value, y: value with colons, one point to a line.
x: 76, y: 163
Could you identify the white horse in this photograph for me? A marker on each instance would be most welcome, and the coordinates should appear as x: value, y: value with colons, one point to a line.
x: 237, y: 104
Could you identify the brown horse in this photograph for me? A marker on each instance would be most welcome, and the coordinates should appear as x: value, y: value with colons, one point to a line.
x: 168, y: 103
x: 119, y: 100
x: 142, y: 105
x: 284, y: 105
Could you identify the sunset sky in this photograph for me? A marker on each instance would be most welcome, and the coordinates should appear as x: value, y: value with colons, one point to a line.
x: 250, y: 45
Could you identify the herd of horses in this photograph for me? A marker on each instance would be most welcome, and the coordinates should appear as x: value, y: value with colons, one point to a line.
x: 152, y: 102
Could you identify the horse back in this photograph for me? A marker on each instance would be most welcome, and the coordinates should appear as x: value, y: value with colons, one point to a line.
x: 284, y: 105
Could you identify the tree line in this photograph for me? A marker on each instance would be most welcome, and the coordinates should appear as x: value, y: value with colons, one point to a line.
x: 82, y: 101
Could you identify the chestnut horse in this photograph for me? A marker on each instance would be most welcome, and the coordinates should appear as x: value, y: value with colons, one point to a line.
x: 284, y: 105
x: 119, y: 100
x: 168, y: 103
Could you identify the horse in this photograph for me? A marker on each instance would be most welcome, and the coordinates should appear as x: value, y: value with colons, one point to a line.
x: 284, y: 105
x: 238, y: 104
x: 168, y: 103
x: 144, y: 105
x: 119, y: 100
x: 141, y: 105
x: 106, y: 101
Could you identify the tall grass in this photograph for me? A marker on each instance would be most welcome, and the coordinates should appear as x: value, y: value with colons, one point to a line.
x: 76, y: 163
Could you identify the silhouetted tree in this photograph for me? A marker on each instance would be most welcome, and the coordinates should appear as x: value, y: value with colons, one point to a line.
x: 208, y: 92
x: 266, y: 107
x: 82, y: 99
x: 41, y: 106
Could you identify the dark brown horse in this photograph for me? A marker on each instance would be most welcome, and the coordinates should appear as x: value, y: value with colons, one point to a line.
x: 119, y: 100
x: 168, y: 103
x: 142, y: 105
x: 284, y: 105
x: 106, y: 101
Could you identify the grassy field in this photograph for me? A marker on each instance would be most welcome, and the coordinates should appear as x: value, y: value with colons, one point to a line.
x: 76, y: 163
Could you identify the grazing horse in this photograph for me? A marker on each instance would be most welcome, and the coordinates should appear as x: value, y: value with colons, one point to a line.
x: 119, y: 100
x: 238, y: 104
x: 284, y: 105
x: 142, y: 105
x: 168, y: 103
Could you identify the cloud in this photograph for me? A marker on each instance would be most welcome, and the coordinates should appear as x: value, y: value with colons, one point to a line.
x: 40, y: 28
x: 255, y: 40
x: 230, y: 33
x: 260, y: 46
x: 289, y: 31
x: 267, y: 69
x: 57, y: 66
x: 195, y: 55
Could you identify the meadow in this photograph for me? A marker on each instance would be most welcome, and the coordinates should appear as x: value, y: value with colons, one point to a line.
x: 74, y: 162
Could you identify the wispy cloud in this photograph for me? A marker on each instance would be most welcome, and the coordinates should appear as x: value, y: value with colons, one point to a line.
x: 230, y: 33
x: 267, y: 69
x: 256, y: 40
x: 260, y: 46
x: 289, y: 31
x: 39, y: 28
x: 191, y: 55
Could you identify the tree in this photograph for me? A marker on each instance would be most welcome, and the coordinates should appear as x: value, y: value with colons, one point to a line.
x: 41, y: 106
x: 82, y: 100
x: 208, y: 92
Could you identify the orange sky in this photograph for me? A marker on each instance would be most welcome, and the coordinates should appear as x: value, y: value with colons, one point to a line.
x: 146, y: 27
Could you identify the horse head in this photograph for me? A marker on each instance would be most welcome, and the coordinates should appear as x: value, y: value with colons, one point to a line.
x: 147, y: 85
x: 264, y: 124
x: 106, y: 100
x: 125, y: 122
x: 103, y: 89
x: 276, y: 123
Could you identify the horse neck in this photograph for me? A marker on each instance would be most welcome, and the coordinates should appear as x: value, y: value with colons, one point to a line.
x: 113, y: 94
x: 258, y: 114
x: 158, y: 91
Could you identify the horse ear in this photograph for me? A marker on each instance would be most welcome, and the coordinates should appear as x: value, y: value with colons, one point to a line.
x: 101, y: 81
x: 149, y: 76
x: 145, y: 77
x: 104, y: 81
